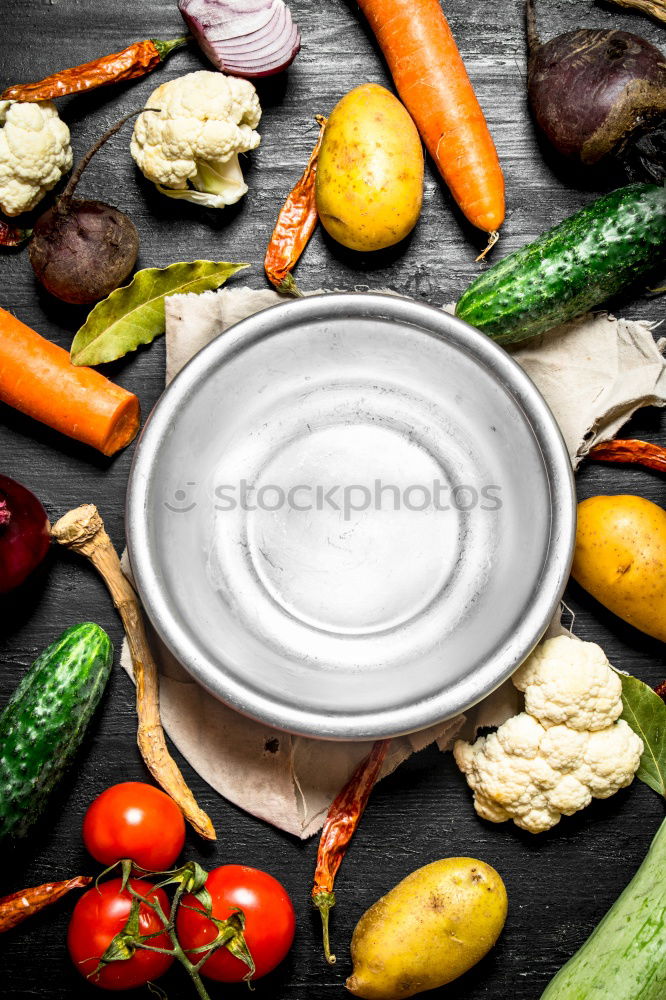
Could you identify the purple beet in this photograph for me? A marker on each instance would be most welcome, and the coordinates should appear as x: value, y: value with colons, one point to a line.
x: 594, y: 93
x: 81, y: 250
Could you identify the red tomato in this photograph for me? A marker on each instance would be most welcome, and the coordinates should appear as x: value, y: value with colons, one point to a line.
x: 269, y: 921
x: 98, y: 916
x: 137, y: 821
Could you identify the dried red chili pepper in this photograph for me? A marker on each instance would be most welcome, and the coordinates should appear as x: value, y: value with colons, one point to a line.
x: 19, y: 906
x: 653, y: 456
x: 134, y: 61
x: 341, y: 822
x: 661, y: 690
x: 295, y: 225
x: 10, y: 236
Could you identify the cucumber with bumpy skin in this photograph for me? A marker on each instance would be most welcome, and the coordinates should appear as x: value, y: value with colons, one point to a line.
x: 45, y: 720
x: 571, y: 268
x: 625, y: 956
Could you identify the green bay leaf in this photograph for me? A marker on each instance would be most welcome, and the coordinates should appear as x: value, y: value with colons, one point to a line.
x: 645, y: 712
x: 134, y: 314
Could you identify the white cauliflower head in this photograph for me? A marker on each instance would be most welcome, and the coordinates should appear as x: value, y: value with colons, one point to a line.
x: 571, y: 682
x: 34, y: 153
x: 189, y: 147
x: 534, y: 775
x: 565, y: 749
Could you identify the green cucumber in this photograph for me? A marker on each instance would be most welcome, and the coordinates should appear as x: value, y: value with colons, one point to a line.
x: 625, y: 956
x: 571, y: 268
x: 45, y: 720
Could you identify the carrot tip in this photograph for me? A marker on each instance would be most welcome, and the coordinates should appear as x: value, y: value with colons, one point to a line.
x: 492, y: 240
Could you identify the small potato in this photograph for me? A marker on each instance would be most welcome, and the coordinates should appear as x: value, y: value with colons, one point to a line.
x: 620, y: 558
x: 369, y: 182
x: 433, y: 926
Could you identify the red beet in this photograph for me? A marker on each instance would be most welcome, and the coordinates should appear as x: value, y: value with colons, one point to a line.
x: 24, y: 533
x: 599, y: 95
x: 82, y: 250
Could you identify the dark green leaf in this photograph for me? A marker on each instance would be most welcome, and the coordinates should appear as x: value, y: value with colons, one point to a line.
x: 134, y: 314
x: 645, y: 712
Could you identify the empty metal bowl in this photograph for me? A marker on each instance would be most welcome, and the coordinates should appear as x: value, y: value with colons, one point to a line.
x: 351, y: 516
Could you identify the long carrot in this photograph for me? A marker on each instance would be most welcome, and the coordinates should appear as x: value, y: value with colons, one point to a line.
x: 432, y: 81
x: 38, y: 378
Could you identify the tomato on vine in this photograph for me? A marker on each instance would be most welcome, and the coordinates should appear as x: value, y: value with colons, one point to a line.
x: 102, y: 913
x: 136, y: 821
x: 270, y: 922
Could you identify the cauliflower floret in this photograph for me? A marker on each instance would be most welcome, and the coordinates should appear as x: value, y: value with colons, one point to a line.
x: 611, y: 759
x: 34, y: 153
x: 509, y: 778
x: 204, y: 121
x: 571, y: 682
x: 520, y: 735
x: 534, y: 775
x: 569, y: 795
x: 564, y: 747
x: 489, y: 809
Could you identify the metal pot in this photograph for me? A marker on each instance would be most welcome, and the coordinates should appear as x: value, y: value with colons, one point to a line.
x: 351, y: 516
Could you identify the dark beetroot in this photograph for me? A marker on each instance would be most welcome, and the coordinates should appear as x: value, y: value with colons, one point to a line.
x: 595, y: 93
x: 81, y: 250
x: 24, y: 533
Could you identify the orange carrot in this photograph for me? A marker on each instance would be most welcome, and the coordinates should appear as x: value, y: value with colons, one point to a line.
x: 38, y: 378
x: 432, y: 82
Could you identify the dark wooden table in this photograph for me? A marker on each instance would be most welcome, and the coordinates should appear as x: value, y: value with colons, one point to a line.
x: 561, y: 883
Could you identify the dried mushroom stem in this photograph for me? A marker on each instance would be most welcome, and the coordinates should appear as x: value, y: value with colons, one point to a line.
x: 83, y: 531
x: 655, y: 8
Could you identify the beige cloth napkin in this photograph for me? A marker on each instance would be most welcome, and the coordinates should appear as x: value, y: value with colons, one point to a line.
x: 594, y: 373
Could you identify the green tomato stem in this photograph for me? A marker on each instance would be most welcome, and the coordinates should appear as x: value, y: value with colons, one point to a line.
x: 190, y: 878
x: 158, y: 951
x: 169, y: 927
x: 198, y: 984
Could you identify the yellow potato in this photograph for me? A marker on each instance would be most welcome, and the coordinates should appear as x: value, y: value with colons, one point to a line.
x: 620, y: 558
x: 369, y: 181
x: 433, y: 926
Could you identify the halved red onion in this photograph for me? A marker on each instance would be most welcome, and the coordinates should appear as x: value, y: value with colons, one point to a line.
x: 250, y: 38
x: 24, y: 533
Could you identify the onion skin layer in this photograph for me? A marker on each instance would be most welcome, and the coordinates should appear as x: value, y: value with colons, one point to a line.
x: 590, y: 91
x: 261, y: 46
